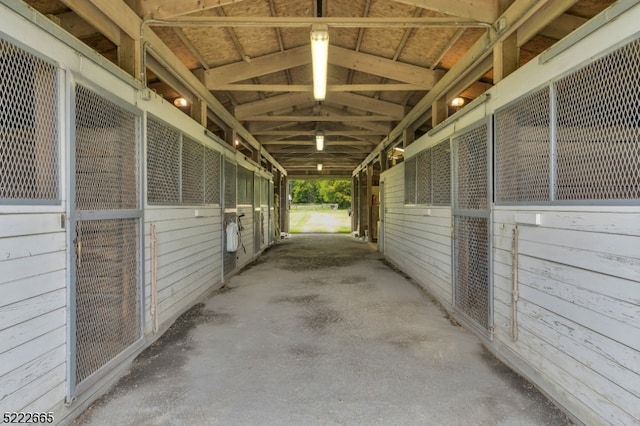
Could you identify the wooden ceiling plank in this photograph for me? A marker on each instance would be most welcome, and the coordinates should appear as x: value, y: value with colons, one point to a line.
x: 194, y: 50
x: 259, y: 66
x: 478, y: 10
x: 382, y: 67
x: 163, y: 9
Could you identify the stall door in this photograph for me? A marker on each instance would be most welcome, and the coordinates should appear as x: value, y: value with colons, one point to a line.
x: 106, y: 232
x: 472, y: 288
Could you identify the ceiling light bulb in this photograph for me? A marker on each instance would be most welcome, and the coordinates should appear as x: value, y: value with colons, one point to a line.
x: 319, y: 167
x: 319, y: 140
x: 457, y: 102
x: 319, y: 60
x: 180, y: 102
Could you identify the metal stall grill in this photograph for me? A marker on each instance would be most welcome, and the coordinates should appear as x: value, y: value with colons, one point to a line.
x: 107, y: 232
x: 410, y: 176
x: 471, y: 245
x: 522, y: 149
x: 229, y: 259
x: 441, y: 174
x: 192, y: 171
x: 551, y: 149
x: 598, y: 142
x: 423, y: 171
x: 212, y: 175
x: 28, y: 127
x: 163, y: 160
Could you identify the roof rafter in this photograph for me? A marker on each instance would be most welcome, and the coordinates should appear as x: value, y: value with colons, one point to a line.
x: 162, y: 9
x: 217, y: 77
x: 479, y: 10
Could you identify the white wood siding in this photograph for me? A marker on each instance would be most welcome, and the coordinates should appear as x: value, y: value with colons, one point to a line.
x: 189, y: 257
x: 33, y: 320
x: 417, y: 238
x: 578, y: 311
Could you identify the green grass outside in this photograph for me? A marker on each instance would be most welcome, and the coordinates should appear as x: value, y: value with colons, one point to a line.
x: 306, y: 220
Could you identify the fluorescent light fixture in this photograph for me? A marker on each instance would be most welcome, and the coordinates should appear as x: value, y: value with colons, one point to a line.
x: 180, y: 102
x: 457, y: 102
x: 319, y: 140
x: 319, y: 167
x: 399, y: 149
x: 319, y: 59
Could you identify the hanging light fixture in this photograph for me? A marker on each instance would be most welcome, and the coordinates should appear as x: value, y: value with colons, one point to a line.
x: 319, y: 140
x: 319, y: 167
x: 319, y: 59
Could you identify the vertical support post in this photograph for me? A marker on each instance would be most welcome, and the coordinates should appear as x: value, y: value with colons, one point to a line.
x: 362, y: 206
x: 506, y: 57
x: 408, y: 136
x: 439, y: 111
x: 284, y: 205
x: 368, y: 201
x: 199, y: 107
x: 130, y: 56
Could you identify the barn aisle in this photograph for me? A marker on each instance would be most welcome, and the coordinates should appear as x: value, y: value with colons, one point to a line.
x: 320, y: 331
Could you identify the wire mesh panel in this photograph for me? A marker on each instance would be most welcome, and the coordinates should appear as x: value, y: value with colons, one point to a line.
x: 441, y: 174
x: 229, y: 184
x: 28, y: 126
x: 107, y: 297
x: 106, y: 154
x: 211, y: 176
x: 472, y: 268
x: 107, y: 245
x: 471, y: 168
x: 192, y: 171
x: 410, y: 181
x: 423, y: 177
x: 597, y: 137
x: 522, y: 141
x: 163, y: 163
x: 472, y: 290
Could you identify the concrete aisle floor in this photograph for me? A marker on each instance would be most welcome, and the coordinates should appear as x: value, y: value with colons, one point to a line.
x: 320, y: 331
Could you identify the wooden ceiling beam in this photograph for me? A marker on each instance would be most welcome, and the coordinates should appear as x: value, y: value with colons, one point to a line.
x: 163, y: 9
x: 391, y: 87
x: 312, y: 143
x: 214, y: 78
x: 273, y: 103
x: 321, y: 118
x: 478, y: 10
x: 217, y: 78
x: 366, y: 103
x: 376, y: 65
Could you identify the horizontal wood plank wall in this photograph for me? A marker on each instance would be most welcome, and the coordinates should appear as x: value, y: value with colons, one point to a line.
x: 33, y: 319
x: 189, y: 257
x: 578, y: 312
x: 417, y: 238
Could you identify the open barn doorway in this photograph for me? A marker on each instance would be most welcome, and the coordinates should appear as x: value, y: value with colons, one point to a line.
x: 320, y: 206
